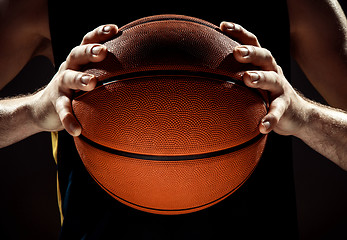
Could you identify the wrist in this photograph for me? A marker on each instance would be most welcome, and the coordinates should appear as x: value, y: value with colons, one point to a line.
x: 325, y: 131
x: 16, y: 120
x: 44, y: 115
x: 28, y: 108
x: 305, y: 114
x: 312, y: 119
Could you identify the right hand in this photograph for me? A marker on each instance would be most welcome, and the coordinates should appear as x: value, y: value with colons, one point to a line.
x: 53, y: 110
x: 287, y: 110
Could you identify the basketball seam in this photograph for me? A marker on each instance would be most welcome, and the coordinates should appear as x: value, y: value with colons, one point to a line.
x: 170, y: 18
x: 176, y: 210
x: 175, y: 73
x: 171, y: 158
x: 179, y: 211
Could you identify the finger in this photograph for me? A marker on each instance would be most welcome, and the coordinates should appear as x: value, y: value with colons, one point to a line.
x: 238, y: 33
x: 71, y: 79
x: 68, y: 120
x: 276, y: 111
x: 84, y: 54
x: 265, y: 80
x: 100, y: 34
x: 257, y: 56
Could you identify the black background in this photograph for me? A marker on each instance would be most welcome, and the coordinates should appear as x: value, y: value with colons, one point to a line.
x: 28, y: 201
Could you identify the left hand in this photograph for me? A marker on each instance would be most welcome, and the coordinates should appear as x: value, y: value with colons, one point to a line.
x: 286, y: 114
x: 52, y: 108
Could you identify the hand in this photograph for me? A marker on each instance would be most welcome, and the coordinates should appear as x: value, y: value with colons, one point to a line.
x: 286, y: 113
x: 53, y: 109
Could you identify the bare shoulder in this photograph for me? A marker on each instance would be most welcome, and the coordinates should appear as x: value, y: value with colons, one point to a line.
x: 29, y: 16
x: 318, y: 43
x: 325, y: 12
x: 24, y: 28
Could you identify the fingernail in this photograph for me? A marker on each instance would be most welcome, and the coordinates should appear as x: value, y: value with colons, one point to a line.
x: 243, y: 51
x: 96, y: 50
x: 76, y: 130
x: 266, y: 124
x: 85, y: 79
x: 229, y: 26
x: 254, y: 77
x: 106, y: 29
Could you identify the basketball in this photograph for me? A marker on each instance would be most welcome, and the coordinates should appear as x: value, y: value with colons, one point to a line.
x: 170, y: 127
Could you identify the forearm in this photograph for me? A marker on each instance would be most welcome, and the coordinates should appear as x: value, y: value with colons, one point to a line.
x: 17, y: 119
x: 325, y: 130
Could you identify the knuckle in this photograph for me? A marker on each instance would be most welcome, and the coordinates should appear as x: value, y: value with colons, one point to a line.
x: 65, y: 75
x: 278, y: 115
x: 71, y: 79
x: 72, y: 55
x: 274, y: 63
x: 262, y: 76
x: 274, y: 76
x: 273, y: 118
x: 252, y: 52
x: 268, y: 55
x: 67, y: 80
x: 279, y: 81
x: 61, y: 79
x: 235, y: 26
x: 260, y: 80
x: 76, y: 79
x: 88, y: 49
x: 239, y: 28
x: 74, y: 51
x: 255, y: 40
x: 87, y: 37
x: 270, y: 60
x: 62, y: 104
x: 253, y: 37
x: 287, y: 101
x: 62, y: 66
x: 95, y: 35
x: 58, y: 105
x: 276, y: 82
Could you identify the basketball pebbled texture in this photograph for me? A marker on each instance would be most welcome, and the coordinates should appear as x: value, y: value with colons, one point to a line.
x: 170, y: 128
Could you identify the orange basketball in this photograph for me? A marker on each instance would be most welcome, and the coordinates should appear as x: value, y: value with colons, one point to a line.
x: 170, y: 128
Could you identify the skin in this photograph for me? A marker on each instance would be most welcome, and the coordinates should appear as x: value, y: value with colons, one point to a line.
x: 319, y: 45
x: 289, y: 113
x: 321, y: 127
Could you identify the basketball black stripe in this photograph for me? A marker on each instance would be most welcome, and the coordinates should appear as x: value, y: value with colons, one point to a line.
x: 209, y: 75
x: 172, y: 158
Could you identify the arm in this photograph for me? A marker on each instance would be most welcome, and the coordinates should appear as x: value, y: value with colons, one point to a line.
x: 323, y: 128
x: 50, y: 108
x: 24, y: 34
x: 16, y: 120
x: 318, y: 31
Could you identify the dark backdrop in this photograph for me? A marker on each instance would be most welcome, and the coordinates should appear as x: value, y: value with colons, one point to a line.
x: 28, y: 202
